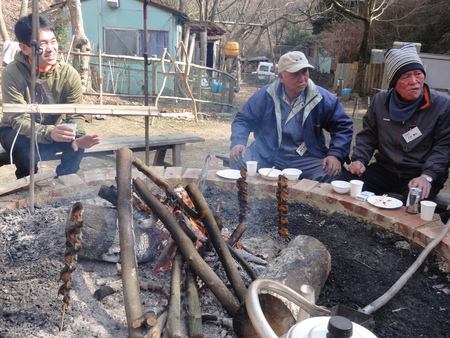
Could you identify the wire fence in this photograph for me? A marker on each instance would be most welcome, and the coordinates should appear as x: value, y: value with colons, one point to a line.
x: 123, y: 76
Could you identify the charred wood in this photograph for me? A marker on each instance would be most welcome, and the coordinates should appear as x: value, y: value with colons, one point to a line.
x: 194, y: 310
x: 110, y: 194
x: 155, y: 331
x: 103, y: 292
x: 224, y: 322
x: 237, y: 234
x: 73, y: 245
x: 182, y: 222
x: 217, y: 240
x: 162, y: 183
x: 166, y: 255
x: 243, y: 263
x: 148, y: 319
x: 218, y: 217
x: 195, y: 261
x: 131, y: 295
x: 148, y: 285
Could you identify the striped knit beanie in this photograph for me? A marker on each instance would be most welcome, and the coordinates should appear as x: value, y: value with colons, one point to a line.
x: 400, y: 61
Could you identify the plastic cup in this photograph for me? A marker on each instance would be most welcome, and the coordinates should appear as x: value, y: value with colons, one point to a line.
x: 356, y: 187
x: 427, y: 210
x: 251, y: 168
x: 72, y: 126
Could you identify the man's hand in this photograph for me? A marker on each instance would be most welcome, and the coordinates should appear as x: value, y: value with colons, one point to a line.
x: 357, y: 168
x: 62, y: 133
x: 333, y: 166
x: 237, y: 152
x: 86, y: 141
x: 421, y: 183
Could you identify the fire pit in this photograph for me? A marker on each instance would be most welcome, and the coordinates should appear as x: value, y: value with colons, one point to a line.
x: 365, y: 261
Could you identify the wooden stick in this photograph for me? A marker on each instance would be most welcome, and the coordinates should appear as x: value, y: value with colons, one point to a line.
x: 162, y: 183
x: 173, y: 325
x: 243, y: 262
x: 194, y: 312
x: 131, y: 294
x: 25, y: 181
x: 237, y: 234
x: 155, y: 331
x: 166, y: 255
x: 270, y: 171
x: 148, y: 318
x: 195, y: 261
x: 219, y: 243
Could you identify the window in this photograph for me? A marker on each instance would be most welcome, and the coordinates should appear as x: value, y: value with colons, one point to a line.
x: 120, y: 41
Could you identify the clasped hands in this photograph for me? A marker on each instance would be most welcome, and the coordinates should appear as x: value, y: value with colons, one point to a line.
x: 63, y: 133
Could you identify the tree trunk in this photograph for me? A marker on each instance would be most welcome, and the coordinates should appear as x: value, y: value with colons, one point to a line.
x: 81, y: 41
x: 23, y: 8
x: 3, y: 30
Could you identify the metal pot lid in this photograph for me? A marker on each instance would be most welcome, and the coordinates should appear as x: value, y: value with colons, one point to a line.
x: 317, y: 327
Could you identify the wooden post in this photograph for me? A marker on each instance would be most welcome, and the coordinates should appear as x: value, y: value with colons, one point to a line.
x: 199, y: 84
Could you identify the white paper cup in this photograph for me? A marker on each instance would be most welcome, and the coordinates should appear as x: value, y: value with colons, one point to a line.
x: 72, y: 126
x: 251, y: 168
x: 356, y: 187
x: 427, y: 210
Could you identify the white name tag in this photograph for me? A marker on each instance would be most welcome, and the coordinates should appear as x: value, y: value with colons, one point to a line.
x: 412, y: 134
x: 301, y: 150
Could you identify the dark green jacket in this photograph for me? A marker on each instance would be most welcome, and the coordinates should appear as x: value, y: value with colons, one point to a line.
x: 64, y: 83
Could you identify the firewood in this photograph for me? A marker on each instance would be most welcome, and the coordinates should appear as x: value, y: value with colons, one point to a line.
x: 219, y: 243
x: 218, y: 217
x: 155, y: 331
x: 243, y: 263
x: 173, y: 325
x: 194, y: 311
x: 190, y: 254
x: 166, y: 255
x: 162, y: 183
x: 110, y: 194
x: 148, y: 318
x: 225, y: 322
x: 148, y: 285
x: 237, y: 234
x: 131, y: 293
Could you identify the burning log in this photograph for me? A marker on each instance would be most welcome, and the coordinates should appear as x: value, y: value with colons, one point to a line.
x: 73, y: 245
x: 162, y: 183
x: 131, y: 295
x: 148, y: 318
x: 282, y: 197
x: 217, y: 240
x: 173, y: 325
x: 195, y: 261
x: 194, y: 310
x: 166, y: 255
x: 155, y: 331
x: 237, y: 234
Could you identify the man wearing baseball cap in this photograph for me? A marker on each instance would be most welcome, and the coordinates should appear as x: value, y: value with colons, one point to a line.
x: 288, y: 118
x: 408, y: 126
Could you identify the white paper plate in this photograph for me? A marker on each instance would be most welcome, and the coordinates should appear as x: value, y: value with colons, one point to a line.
x: 231, y: 174
x: 273, y: 174
x: 385, y: 202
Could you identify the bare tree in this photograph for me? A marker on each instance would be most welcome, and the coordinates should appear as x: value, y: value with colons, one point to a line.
x: 3, y: 31
x: 23, y: 8
x: 81, y: 42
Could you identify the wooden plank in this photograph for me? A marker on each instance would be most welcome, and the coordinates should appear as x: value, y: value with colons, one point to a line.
x: 24, y: 182
x: 88, y: 109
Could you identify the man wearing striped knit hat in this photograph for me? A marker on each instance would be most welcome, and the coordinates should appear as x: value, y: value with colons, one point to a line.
x: 407, y: 129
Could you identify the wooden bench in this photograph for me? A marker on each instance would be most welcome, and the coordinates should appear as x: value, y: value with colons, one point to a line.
x: 160, y: 143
